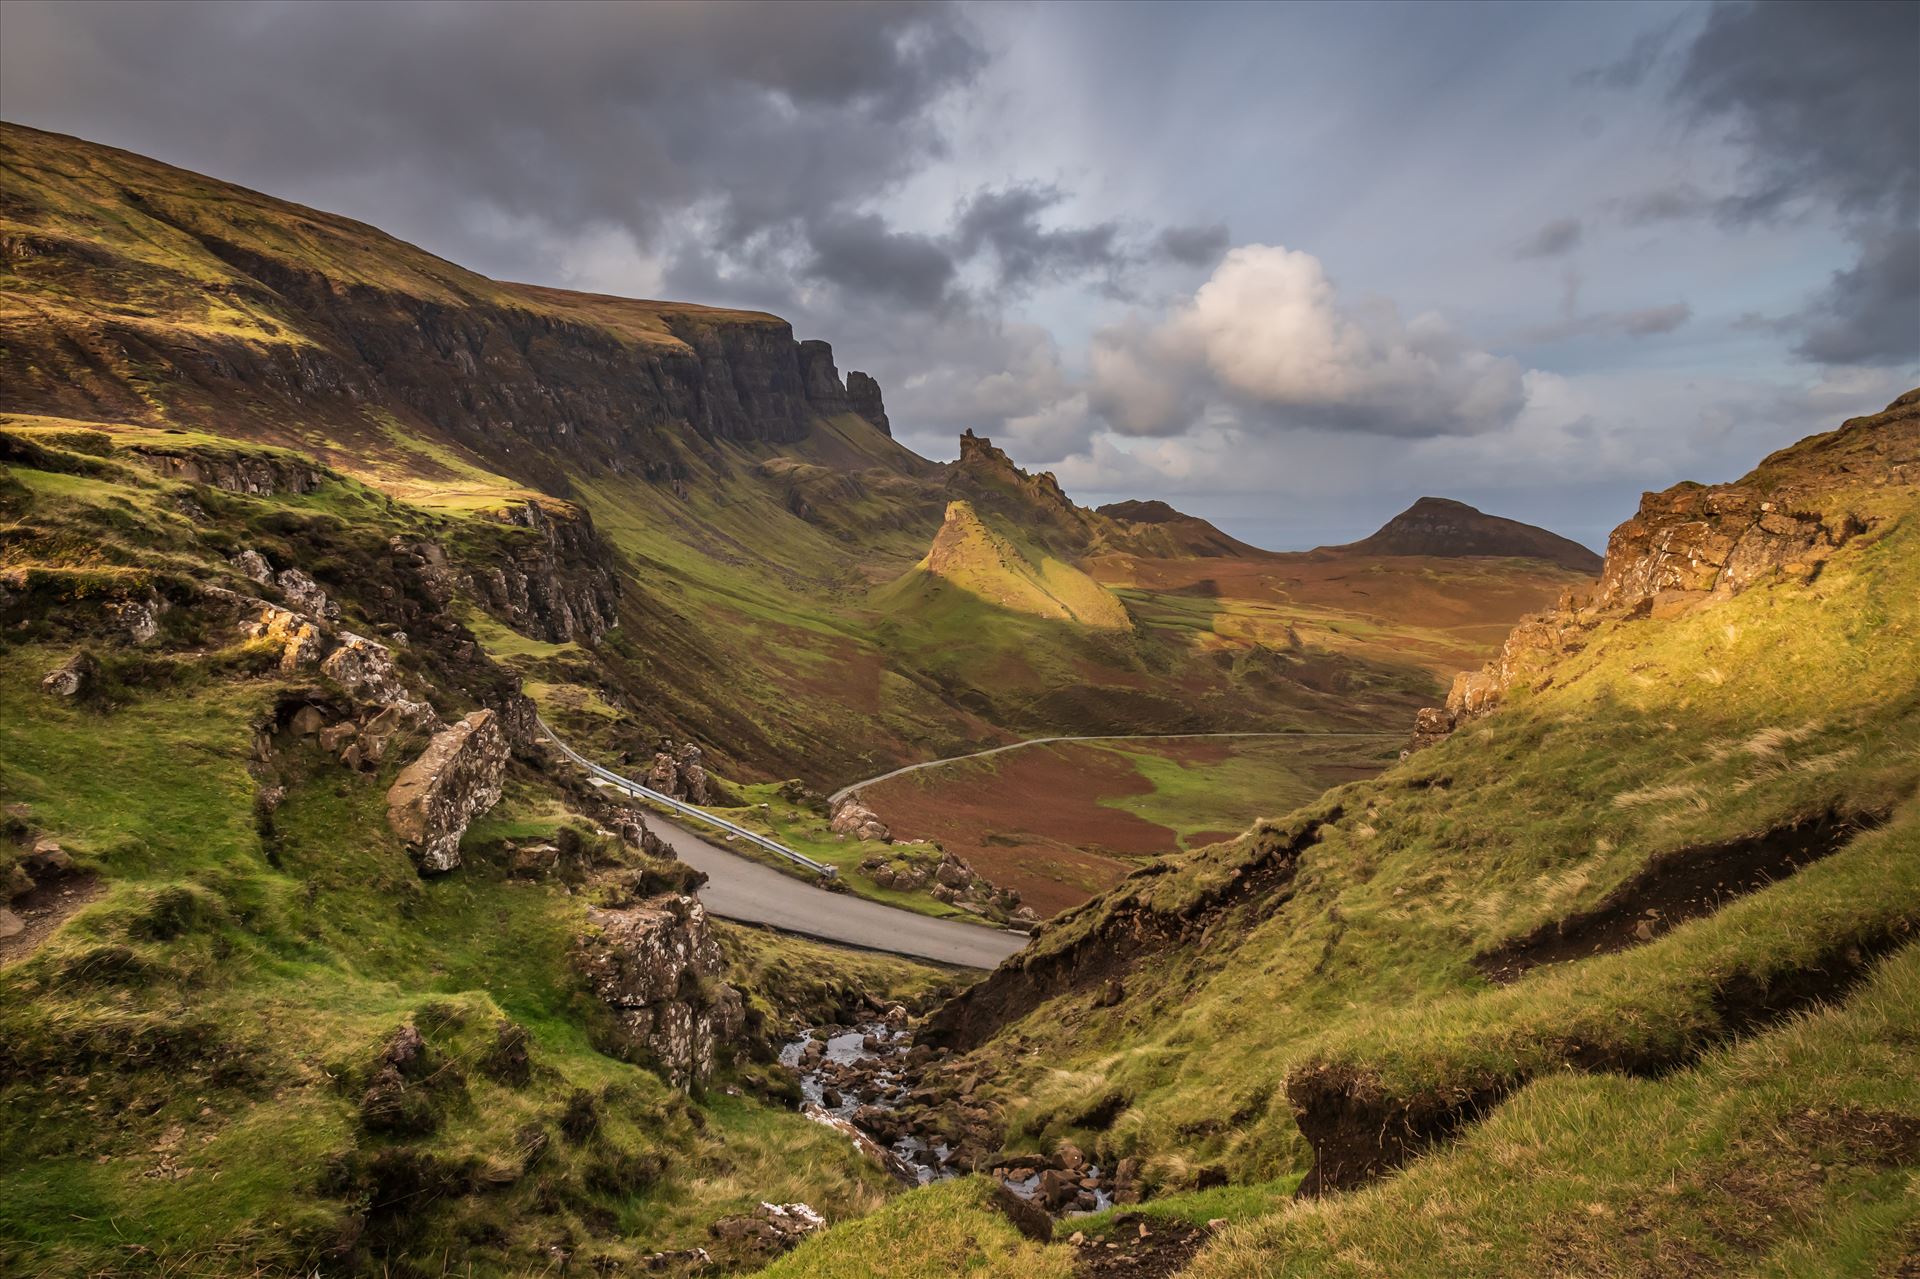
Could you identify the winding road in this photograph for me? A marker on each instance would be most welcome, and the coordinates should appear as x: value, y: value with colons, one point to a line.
x: 752, y: 893
x: 852, y: 787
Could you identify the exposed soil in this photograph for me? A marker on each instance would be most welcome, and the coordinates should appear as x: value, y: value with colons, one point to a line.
x: 1163, y: 1250
x: 1130, y: 931
x: 1360, y: 1131
x: 45, y: 909
x: 1031, y: 820
x: 1674, y: 887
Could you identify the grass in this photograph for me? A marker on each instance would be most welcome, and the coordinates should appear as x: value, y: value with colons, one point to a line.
x: 182, y: 1062
x: 949, y: 1229
x: 1790, y: 1153
x: 1517, y: 820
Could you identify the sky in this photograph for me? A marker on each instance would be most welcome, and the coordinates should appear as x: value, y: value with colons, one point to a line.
x: 1287, y: 266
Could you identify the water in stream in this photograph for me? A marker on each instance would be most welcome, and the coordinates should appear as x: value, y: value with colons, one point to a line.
x: 862, y: 1067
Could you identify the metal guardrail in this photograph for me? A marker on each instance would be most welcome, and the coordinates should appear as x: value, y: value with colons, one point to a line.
x: 685, y: 809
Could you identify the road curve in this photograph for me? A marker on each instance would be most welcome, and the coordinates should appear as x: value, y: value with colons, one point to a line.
x: 745, y: 890
x: 851, y: 787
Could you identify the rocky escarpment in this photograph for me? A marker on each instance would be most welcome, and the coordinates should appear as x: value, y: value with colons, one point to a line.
x: 656, y: 967
x: 559, y: 584
x: 235, y: 470
x: 530, y: 379
x: 1094, y: 947
x: 863, y: 396
x: 1693, y: 545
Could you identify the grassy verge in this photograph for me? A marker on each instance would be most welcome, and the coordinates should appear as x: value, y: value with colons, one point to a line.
x: 944, y: 1230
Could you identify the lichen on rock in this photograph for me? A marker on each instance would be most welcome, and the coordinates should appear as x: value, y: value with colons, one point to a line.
x: 456, y: 779
x: 658, y: 968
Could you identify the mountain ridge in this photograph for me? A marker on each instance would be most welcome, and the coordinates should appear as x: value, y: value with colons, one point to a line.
x: 1444, y: 527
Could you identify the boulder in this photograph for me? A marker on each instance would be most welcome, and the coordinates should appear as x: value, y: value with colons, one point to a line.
x: 769, y: 1229
x: 254, y: 565
x: 454, y: 780
x: 657, y: 967
x: 851, y: 817
x: 71, y: 677
x: 1431, y: 726
x: 305, y: 595
x: 365, y: 670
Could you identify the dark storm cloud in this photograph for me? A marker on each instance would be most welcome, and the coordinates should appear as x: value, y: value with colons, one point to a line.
x: 1869, y: 314
x: 564, y: 116
x: 1824, y: 101
x: 1006, y: 224
x: 1822, y: 96
x: 863, y: 255
x: 1193, y: 245
x: 1562, y: 235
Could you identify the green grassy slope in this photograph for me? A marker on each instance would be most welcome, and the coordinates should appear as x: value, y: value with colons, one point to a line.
x: 1328, y: 991
x: 183, y: 1061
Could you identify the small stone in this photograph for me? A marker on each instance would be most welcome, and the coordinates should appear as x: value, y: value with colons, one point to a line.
x: 11, y: 925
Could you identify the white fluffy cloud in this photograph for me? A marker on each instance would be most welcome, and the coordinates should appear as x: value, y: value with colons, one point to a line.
x: 1269, y: 336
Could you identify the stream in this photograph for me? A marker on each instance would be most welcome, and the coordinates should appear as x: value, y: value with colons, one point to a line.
x: 855, y: 1075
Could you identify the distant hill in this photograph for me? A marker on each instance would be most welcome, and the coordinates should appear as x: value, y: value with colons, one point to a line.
x: 1442, y: 526
x: 1156, y: 521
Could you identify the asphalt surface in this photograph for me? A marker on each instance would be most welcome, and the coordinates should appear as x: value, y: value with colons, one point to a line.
x: 745, y: 890
x: 852, y: 787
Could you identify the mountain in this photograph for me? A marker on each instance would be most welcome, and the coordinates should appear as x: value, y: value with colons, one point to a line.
x: 1442, y: 527
x: 725, y: 501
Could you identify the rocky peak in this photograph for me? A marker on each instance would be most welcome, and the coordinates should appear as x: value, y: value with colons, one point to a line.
x: 863, y: 395
x: 819, y: 379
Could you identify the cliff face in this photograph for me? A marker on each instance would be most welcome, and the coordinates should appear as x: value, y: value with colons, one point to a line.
x: 1693, y: 545
x: 142, y: 293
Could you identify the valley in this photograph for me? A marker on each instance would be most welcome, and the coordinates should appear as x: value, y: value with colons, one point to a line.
x: 1452, y: 901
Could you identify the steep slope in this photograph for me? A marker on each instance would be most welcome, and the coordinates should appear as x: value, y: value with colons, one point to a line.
x: 1667, y: 838
x: 968, y: 556
x: 1441, y: 526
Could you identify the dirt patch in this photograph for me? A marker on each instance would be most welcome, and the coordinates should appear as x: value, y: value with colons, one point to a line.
x: 1359, y: 1130
x: 1030, y: 820
x: 45, y: 909
x: 1674, y: 887
x: 1140, y: 1248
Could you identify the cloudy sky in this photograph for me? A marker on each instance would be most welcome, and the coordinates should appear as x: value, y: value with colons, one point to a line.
x: 1287, y: 266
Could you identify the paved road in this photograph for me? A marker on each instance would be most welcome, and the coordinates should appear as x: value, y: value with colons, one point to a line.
x: 849, y: 789
x: 745, y: 890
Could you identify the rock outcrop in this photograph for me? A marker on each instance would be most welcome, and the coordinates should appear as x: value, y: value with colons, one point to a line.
x: 454, y: 780
x: 863, y: 396
x: 1694, y: 545
x: 852, y: 817
x: 658, y: 969
x: 560, y: 584
x: 236, y: 471
x: 677, y: 771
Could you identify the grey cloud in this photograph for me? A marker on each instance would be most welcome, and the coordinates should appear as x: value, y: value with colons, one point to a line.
x: 1632, y: 68
x: 1655, y: 319
x: 1562, y: 235
x: 1193, y: 245
x: 1006, y: 224
x: 1643, y: 322
x: 1870, y: 313
x: 1822, y: 96
x: 1673, y: 203
x: 561, y: 116
x: 863, y: 255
